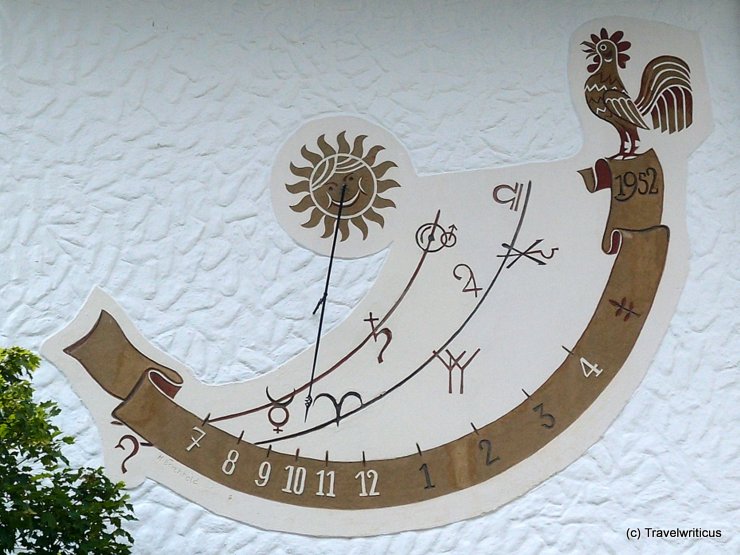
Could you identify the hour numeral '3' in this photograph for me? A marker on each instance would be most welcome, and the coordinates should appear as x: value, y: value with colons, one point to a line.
x: 549, y: 418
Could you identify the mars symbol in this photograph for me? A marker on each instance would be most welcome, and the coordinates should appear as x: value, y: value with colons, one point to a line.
x: 517, y: 310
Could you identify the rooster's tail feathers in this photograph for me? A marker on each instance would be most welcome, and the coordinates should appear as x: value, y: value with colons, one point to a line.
x: 665, y: 94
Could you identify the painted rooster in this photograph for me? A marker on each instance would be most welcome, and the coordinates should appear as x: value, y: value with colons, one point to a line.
x: 665, y: 91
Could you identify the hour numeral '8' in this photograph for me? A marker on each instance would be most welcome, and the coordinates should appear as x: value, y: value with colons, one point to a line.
x: 372, y: 477
x: 545, y: 415
x: 488, y: 446
x: 230, y: 463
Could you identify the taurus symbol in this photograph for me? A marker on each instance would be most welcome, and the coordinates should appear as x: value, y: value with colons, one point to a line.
x: 529, y: 253
x: 277, y: 404
x: 338, y: 404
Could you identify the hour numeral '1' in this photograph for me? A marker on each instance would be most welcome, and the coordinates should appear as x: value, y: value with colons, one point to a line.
x: 372, y: 477
x: 539, y: 409
x: 427, y: 478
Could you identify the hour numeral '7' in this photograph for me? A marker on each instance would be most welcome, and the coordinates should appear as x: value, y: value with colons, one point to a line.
x: 539, y: 409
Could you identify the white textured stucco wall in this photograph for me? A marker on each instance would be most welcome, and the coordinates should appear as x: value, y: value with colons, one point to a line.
x: 132, y: 135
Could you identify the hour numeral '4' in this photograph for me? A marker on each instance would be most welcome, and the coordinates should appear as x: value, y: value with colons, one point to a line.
x: 589, y: 369
x: 550, y: 419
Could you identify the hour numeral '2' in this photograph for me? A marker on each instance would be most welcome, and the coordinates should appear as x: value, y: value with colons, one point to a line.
x: 488, y: 446
x: 539, y: 409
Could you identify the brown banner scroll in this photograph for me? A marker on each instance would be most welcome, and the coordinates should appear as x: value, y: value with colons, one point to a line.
x: 149, y: 409
x: 637, y: 189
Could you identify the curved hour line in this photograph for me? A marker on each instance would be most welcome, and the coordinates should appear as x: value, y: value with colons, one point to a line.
x: 346, y: 357
x: 510, y: 247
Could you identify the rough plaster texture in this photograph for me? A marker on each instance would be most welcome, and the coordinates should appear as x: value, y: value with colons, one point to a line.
x: 136, y: 140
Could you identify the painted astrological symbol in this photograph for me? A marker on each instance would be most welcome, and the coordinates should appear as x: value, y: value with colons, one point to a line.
x: 278, y: 405
x: 622, y: 307
x: 432, y: 237
x: 454, y: 362
x: 338, y: 404
x: 135, y: 444
x: 470, y: 286
x: 385, y: 332
x: 500, y: 192
x: 529, y: 252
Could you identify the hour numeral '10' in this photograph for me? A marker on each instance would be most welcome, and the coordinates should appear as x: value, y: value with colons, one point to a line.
x: 366, y: 476
x: 328, y: 478
x: 296, y: 481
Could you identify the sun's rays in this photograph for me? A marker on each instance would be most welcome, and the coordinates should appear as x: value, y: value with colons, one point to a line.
x: 334, y: 168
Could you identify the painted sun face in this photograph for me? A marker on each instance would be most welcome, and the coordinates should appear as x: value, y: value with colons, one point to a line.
x: 340, y: 169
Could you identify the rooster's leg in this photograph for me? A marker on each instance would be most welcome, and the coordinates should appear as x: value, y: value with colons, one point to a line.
x: 634, y: 140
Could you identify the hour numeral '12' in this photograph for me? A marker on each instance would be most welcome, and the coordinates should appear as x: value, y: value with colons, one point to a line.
x: 372, y: 477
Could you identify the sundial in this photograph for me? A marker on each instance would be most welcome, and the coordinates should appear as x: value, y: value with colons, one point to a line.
x: 517, y: 310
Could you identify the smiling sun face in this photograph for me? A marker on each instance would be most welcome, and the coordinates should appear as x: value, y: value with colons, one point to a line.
x: 322, y: 181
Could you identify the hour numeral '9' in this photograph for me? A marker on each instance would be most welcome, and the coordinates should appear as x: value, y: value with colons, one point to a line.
x: 550, y: 419
x: 264, y: 474
x: 372, y: 477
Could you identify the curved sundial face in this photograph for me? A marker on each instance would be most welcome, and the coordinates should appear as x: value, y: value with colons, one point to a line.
x: 517, y: 310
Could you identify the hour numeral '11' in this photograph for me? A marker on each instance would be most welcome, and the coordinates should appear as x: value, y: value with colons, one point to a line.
x: 329, y: 477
